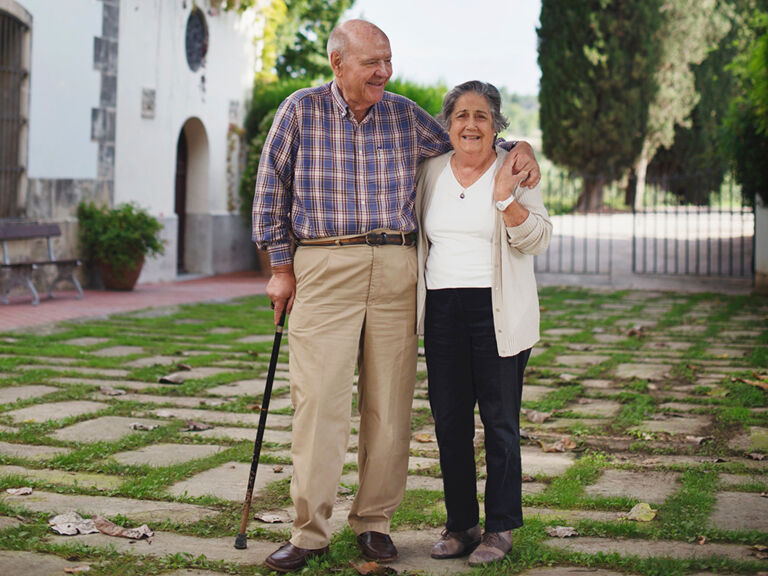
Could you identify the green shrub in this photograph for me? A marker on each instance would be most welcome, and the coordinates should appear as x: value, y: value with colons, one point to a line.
x: 117, y: 235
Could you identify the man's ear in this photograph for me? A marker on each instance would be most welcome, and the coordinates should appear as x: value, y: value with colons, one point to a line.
x: 336, y: 63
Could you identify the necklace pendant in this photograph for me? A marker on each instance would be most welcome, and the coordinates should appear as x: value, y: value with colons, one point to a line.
x: 461, y: 195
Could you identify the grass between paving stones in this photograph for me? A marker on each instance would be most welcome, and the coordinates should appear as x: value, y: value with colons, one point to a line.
x: 188, y: 334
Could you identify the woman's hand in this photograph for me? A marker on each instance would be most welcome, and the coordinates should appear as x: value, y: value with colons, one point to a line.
x: 504, y: 186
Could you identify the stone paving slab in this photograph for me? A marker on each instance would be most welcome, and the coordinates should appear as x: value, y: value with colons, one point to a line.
x: 581, y: 360
x: 117, y: 351
x: 684, y: 425
x: 569, y: 515
x: 599, y: 408
x: 104, y: 429
x: 82, y: 479
x: 647, y: 486
x: 650, y: 548
x: 229, y: 481
x: 643, y: 371
x: 180, y: 401
x: 18, y: 562
x: 84, y: 342
x: 532, y: 393
x: 240, y: 388
x: 740, y: 511
x: 249, y: 434
x: 30, y: 451
x: 571, y: 571
x: 171, y: 544
x: 153, y: 361
x: 139, y: 510
x: 15, y: 393
x: 200, y: 372
x: 55, y: 411
x: 83, y: 370
x: 6, y: 523
x: 535, y: 461
x: 129, y: 384
x: 217, y: 417
x: 598, y: 384
x: 167, y: 454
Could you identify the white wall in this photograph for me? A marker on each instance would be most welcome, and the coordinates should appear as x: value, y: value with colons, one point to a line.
x: 761, y: 247
x: 152, y: 55
x: 63, y: 88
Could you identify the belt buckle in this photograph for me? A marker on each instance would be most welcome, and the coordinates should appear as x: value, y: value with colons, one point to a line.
x: 376, y: 238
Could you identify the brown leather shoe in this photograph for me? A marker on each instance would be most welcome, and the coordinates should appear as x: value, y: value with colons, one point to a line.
x: 289, y: 557
x: 377, y: 546
x: 456, y: 544
x: 493, y: 547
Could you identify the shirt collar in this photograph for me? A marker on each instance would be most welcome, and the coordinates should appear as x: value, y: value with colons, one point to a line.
x: 344, y: 110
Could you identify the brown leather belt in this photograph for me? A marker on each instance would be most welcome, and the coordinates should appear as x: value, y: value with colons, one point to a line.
x: 371, y: 239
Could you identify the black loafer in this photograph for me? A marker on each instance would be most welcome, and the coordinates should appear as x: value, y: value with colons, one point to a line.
x: 289, y: 557
x: 377, y: 546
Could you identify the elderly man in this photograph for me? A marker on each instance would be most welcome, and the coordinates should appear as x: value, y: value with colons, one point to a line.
x: 337, y: 178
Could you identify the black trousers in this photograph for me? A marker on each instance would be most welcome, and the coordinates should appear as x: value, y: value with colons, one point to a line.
x: 463, y: 368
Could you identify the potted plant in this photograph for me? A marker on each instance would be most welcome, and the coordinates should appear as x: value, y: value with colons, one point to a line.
x: 116, y: 240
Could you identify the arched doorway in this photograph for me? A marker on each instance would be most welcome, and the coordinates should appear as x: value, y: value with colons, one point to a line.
x: 194, y: 248
x: 181, y: 200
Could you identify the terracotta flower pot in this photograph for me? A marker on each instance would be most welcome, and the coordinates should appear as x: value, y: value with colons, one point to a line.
x: 122, y: 278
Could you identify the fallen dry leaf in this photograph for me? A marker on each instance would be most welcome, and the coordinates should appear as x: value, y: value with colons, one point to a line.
x: 194, y: 425
x: 274, y: 517
x: 172, y: 379
x: 527, y: 478
x: 757, y: 383
x: 140, y: 426
x: 535, y: 416
x: 72, y: 523
x: 111, y: 529
x: 636, y: 330
x: 641, y: 512
x: 424, y: 437
x: 760, y: 551
x: 255, y: 407
x: 183, y: 366
x: 561, y: 531
x: 757, y: 456
x: 24, y: 491
x: 164, y: 414
x: 83, y: 568
x: 698, y: 440
x: 372, y: 569
x: 277, y: 468
x: 555, y: 447
x: 702, y: 540
x: 109, y: 391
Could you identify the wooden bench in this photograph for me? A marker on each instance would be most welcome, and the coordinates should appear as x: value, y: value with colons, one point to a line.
x: 20, y: 273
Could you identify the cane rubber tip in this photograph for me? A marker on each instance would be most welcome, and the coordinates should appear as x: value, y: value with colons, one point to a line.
x: 241, y: 542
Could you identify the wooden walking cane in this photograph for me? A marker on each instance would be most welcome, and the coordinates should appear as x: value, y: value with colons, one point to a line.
x: 241, y: 542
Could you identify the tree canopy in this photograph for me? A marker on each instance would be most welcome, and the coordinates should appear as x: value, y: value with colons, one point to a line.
x: 598, y: 60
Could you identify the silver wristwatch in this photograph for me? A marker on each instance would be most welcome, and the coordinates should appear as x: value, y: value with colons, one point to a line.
x: 501, y: 205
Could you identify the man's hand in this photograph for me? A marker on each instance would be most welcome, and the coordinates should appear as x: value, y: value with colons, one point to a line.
x: 281, y: 290
x: 522, y: 159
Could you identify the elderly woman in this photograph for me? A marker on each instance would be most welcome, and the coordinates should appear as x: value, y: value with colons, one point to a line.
x: 478, y: 310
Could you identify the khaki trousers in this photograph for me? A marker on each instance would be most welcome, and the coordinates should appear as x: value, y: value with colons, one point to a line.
x: 355, y: 305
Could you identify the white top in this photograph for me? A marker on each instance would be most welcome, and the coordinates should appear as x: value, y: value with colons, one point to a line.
x: 460, y: 232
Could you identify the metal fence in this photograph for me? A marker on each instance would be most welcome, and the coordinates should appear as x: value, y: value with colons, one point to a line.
x: 680, y: 230
x: 12, y: 77
x: 674, y: 231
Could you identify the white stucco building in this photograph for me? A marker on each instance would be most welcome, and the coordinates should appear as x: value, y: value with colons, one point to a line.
x: 130, y: 100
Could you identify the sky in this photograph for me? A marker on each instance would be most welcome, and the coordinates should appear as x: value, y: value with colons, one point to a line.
x: 459, y: 40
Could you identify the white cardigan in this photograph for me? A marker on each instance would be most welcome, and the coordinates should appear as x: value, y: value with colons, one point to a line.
x: 514, y: 295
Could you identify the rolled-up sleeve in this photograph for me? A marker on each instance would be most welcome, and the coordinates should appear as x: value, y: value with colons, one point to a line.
x: 273, y: 195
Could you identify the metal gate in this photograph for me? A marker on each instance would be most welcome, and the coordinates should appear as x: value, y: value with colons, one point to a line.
x: 12, y: 77
x: 695, y: 233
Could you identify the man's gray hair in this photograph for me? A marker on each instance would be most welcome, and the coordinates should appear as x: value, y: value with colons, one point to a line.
x: 489, y: 91
x: 338, y: 39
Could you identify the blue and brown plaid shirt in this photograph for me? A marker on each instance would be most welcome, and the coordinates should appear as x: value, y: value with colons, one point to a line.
x: 324, y: 174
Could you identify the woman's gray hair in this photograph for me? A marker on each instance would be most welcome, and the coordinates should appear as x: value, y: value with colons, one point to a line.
x: 489, y: 91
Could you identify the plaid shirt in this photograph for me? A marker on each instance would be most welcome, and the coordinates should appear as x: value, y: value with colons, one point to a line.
x: 324, y: 174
